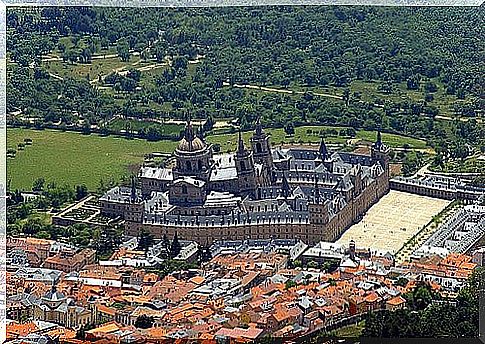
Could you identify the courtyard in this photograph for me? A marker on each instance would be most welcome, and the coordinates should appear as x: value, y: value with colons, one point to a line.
x: 392, y: 221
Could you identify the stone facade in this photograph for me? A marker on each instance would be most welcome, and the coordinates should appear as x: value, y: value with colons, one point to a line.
x: 438, y: 186
x: 261, y: 192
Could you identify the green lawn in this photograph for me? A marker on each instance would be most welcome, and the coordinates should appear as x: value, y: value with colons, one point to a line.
x: 303, y: 135
x: 90, y: 70
x: 73, y: 158
x: 444, y: 102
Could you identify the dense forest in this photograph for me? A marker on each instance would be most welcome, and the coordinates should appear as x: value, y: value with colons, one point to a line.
x: 425, y: 49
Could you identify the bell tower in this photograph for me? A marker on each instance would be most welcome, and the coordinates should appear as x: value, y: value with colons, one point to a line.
x: 246, y: 174
x: 380, y: 153
x: 262, y: 152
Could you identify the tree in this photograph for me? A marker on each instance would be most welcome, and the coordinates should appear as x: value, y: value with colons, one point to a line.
x: 290, y: 129
x: 38, y: 184
x: 123, y: 50
x: 402, y: 282
x: 413, y: 83
x: 17, y: 197
x: 290, y: 284
x: 175, y: 248
x: 312, y: 265
x: 145, y: 240
x: 144, y: 321
x: 153, y: 134
x: 86, y: 55
x: 428, y: 97
x: 145, y: 55
x: 81, y: 333
x: 81, y: 191
x: 430, y: 87
x: 32, y: 226
x: 165, y: 242
x: 86, y: 127
x: 134, y: 74
x: 420, y: 297
x: 346, y: 96
x: 460, y: 94
x: 180, y: 62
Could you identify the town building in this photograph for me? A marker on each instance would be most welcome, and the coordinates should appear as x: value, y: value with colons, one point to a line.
x: 54, y: 307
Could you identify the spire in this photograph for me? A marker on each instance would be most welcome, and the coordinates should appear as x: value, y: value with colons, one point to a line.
x: 378, y: 143
x: 200, y: 132
x: 285, y: 187
x: 322, y: 150
x: 259, y: 127
x: 189, y: 130
x: 133, y: 189
x: 240, y: 143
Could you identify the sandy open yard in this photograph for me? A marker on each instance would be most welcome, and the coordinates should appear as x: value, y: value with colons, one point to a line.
x: 393, y: 220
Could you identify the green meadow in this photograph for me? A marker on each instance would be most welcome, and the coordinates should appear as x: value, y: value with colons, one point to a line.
x: 311, y: 134
x: 73, y: 158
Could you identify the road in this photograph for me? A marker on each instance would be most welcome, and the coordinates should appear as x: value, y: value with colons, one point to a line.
x: 279, y: 90
x: 54, y: 58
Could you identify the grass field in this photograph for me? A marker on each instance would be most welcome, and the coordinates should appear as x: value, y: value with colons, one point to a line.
x: 73, y: 158
x: 90, y: 70
x: 44, y: 217
x: 302, y: 134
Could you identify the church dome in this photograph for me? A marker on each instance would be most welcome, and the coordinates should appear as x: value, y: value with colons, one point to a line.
x: 190, y: 142
x: 193, y: 145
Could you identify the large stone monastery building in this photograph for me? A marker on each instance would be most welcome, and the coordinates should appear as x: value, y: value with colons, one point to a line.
x: 256, y: 192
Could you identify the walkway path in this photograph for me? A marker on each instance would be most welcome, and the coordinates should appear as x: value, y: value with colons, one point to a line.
x: 279, y: 90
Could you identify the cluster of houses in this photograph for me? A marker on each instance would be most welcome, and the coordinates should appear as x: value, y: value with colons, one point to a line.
x: 247, y: 290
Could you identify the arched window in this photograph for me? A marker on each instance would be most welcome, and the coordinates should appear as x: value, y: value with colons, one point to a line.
x: 184, y: 189
x: 188, y: 165
x: 243, y: 166
x: 258, y: 147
